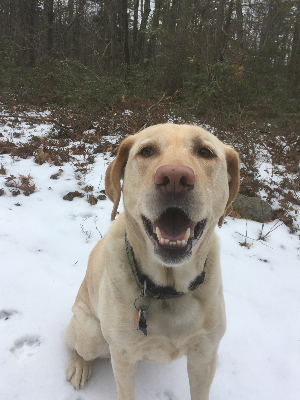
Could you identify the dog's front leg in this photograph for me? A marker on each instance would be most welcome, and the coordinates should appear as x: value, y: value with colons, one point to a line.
x: 201, y: 371
x: 124, y: 367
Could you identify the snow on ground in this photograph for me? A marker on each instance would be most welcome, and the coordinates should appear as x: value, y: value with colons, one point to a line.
x: 45, y: 242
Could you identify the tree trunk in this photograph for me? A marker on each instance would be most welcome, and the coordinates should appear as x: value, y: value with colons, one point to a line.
x: 135, y: 28
x: 142, y: 31
x: 49, y: 18
x: 80, y: 5
x: 174, y: 81
x: 294, y: 65
x: 219, y: 29
x: 69, y: 34
x: 239, y: 25
x: 225, y: 31
x: 155, y: 25
x: 124, y: 29
x: 112, y: 16
x: 27, y: 11
x: 266, y: 26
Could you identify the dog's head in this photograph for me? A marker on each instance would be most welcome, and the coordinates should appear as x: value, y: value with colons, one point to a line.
x: 178, y: 181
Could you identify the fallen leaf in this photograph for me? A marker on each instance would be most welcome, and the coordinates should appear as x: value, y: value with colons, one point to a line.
x: 92, y: 200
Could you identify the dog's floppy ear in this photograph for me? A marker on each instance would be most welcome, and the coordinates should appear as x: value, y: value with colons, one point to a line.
x: 233, y: 172
x: 115, y: 172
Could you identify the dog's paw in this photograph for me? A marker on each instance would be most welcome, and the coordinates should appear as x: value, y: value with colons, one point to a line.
x: 26, y: 346
x: 79, y: 371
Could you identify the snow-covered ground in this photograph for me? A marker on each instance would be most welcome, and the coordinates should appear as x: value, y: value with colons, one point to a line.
x: 45, y: 242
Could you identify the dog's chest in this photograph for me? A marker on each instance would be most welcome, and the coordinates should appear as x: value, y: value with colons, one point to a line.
x: 163, y: 350
x: 172, y: 329
x: 175, y: 317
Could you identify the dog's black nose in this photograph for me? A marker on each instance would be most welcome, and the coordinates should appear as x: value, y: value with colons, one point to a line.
x: 174, y: 179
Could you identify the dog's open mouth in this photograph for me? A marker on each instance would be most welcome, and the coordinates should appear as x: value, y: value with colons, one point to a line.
x: 173, y: 234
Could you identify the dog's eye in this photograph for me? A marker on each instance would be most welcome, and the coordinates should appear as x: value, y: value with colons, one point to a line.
x: 146, y: 151
x: 206, y: 153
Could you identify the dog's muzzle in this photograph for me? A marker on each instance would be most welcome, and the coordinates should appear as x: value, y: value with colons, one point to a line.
x: 173, y: 234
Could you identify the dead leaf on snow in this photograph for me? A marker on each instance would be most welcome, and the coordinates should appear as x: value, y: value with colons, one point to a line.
x: 41, y: 156
x: 92, y: 200
x: 70, y: 196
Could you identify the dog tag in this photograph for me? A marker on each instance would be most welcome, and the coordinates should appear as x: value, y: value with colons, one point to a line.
x: 140, y: 323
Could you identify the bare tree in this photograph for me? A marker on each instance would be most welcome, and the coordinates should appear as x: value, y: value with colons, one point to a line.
x: 294, y: 65
x: 49, y: 18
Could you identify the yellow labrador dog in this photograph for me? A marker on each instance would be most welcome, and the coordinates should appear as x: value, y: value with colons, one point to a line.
x: 153, y: 288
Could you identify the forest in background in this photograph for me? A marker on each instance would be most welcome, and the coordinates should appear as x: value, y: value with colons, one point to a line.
x: 111, y: 68
x: 229, y: 61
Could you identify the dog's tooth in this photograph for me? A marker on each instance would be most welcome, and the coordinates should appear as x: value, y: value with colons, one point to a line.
x: 162, y: 240
x: 172, y: 243
x: 179, y: 242
x: 187, y: 234
x: 183, y: 242
x: 158, y: 233
x: 167, y: 241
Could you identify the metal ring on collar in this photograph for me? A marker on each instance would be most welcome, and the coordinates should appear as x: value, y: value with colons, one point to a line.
x: 142, y: 308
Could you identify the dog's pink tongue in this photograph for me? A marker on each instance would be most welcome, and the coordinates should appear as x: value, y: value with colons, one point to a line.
x: 173, y: 229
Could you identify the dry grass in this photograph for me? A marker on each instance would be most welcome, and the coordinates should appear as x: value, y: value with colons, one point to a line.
x: 77, y: 134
